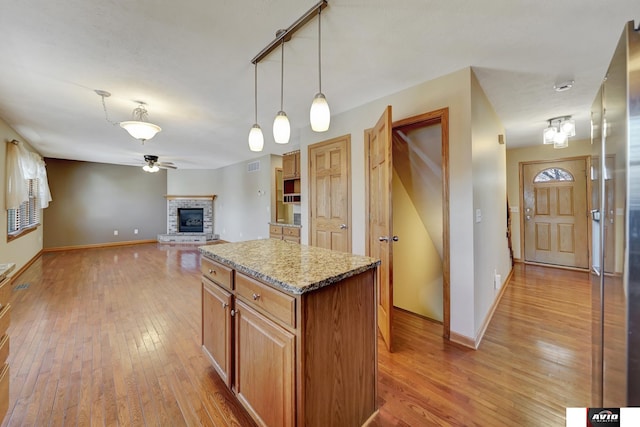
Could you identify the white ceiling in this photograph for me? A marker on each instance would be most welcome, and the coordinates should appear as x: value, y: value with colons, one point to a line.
x: 190, y: 62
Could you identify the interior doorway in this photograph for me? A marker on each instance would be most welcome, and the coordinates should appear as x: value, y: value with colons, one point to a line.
x: 421, y: 184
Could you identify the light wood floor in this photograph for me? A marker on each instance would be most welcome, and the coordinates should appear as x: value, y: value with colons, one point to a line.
x: 111, y: 337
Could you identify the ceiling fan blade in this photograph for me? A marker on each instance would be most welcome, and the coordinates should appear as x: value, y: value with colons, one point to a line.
x: 166, y: 165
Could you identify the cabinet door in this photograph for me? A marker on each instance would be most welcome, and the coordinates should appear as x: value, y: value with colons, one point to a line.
x: 289, y: 168
x: 265, y: 368
x: 216, y: 328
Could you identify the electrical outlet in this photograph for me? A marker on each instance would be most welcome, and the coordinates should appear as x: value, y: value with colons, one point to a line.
x: 115, y: 232
x: 135, y: 231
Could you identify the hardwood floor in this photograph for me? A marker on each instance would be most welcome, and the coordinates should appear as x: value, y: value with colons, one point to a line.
x: 111, y: 336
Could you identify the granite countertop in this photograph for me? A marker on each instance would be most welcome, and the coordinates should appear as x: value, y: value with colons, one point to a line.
x: 6, y: 269
x: 284, y: 224
x: 289, y: 266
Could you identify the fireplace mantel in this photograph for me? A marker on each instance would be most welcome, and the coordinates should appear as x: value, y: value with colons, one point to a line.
x: 207, y: 197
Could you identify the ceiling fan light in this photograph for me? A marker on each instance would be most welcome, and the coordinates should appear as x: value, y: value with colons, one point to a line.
x: 150, y: 169
x: 140, y: 130
x: 256, y: 138
x: 320, y: 115
x: 281, y: 128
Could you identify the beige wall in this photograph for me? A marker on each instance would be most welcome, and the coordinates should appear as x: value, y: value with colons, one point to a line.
x: 91, y: 200
x: 21, y: 250
x: 538, y: 152
x: 490, y: 245
x: 242, y: 208
x: 417, y: 266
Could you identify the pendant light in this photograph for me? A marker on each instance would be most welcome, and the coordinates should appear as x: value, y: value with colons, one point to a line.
x: 319, y: 115
x: 281, y: 126
x: 256, y: 139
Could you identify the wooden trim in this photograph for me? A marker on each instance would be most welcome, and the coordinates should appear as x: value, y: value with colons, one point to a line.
x: 441, y: 117
x: 367, y: 214
x: 491, y: 312
x: 24, y: 267
x: 99, y: 245
x: 210, y: 197
x: 463, y: 340
x: 23, y: 232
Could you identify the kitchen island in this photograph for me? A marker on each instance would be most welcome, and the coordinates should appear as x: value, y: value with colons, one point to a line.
x: 291, y: 330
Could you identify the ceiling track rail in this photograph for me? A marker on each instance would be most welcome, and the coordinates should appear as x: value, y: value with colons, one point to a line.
x: 288, y: 33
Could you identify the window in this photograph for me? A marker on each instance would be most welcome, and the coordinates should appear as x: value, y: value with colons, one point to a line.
x: 553, y: 174
x: 27, y: 215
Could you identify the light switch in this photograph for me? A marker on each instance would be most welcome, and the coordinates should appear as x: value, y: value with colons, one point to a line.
x: 478, y: 215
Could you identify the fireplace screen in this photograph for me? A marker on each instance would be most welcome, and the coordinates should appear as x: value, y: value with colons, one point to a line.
x: 190, y: 220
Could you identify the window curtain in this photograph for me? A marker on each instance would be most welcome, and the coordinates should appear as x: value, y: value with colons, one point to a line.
x: 17, y: 190
x: 23, y: 165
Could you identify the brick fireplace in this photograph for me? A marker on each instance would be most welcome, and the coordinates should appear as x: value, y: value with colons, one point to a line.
x: 176, y: 203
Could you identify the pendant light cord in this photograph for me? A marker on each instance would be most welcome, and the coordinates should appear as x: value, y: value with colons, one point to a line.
x: 319, y: 51
x: 282, y: 78
x: 255, y: 91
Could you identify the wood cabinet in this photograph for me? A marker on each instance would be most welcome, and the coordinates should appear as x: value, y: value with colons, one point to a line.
x: 297, y: 360
x: 291, y: 177
x: 5, y: 319
x: 291, y: 234
x: 217, y: 328
x: 291, y: 165
x: 265, y: 368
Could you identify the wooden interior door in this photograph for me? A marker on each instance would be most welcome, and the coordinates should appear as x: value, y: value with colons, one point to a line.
x: 380, y: 220
x: 330, y: 199
x: 555, y: 213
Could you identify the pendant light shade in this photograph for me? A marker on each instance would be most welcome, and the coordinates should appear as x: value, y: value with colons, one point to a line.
x: 281, y: 126
x: 140, y: 128
x: 319, y: 115
x: 256, y: 139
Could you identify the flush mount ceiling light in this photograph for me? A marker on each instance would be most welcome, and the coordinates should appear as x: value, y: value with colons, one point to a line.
x: 563, y: 86
x: 319, y: 115
x: 559, y: 131
x: 139, y: 127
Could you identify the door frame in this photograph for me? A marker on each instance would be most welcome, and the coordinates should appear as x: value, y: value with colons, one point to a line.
x: 521, y: 165
x: 441, y: 117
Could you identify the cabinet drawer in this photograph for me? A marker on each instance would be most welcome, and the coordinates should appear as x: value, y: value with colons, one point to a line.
x: 5, y: 319
x: 291, y: 231
x: 279, y: 305
x: 275, y: 229
x: 217, y: 272
x: 5, y: 292
x: 291, y: 239
x: 4, y: 349
x: 4, y: 390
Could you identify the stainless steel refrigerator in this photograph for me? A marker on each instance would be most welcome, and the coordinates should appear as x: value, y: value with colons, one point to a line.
x: 615, y: 229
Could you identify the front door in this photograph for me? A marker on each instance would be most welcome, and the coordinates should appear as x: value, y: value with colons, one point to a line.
x: 329, y: 202
x: 379, y: 171
x: 555, y: 213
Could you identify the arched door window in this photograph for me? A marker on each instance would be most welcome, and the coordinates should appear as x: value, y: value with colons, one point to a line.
x: 553, y: 175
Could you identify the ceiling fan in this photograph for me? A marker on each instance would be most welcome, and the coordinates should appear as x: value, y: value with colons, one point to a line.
x: 153, y: 165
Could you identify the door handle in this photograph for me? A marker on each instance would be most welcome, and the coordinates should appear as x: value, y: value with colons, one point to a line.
x: 528, y: 217
x: 343, y: 226
x: 383, y: 238
x: 395, y: 238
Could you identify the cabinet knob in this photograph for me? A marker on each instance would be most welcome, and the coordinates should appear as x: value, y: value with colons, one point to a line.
x: 343, y: 226
x: 225, y: 305
x: 256, y: 296
x: 233, y: 312
x: 212, y: 272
